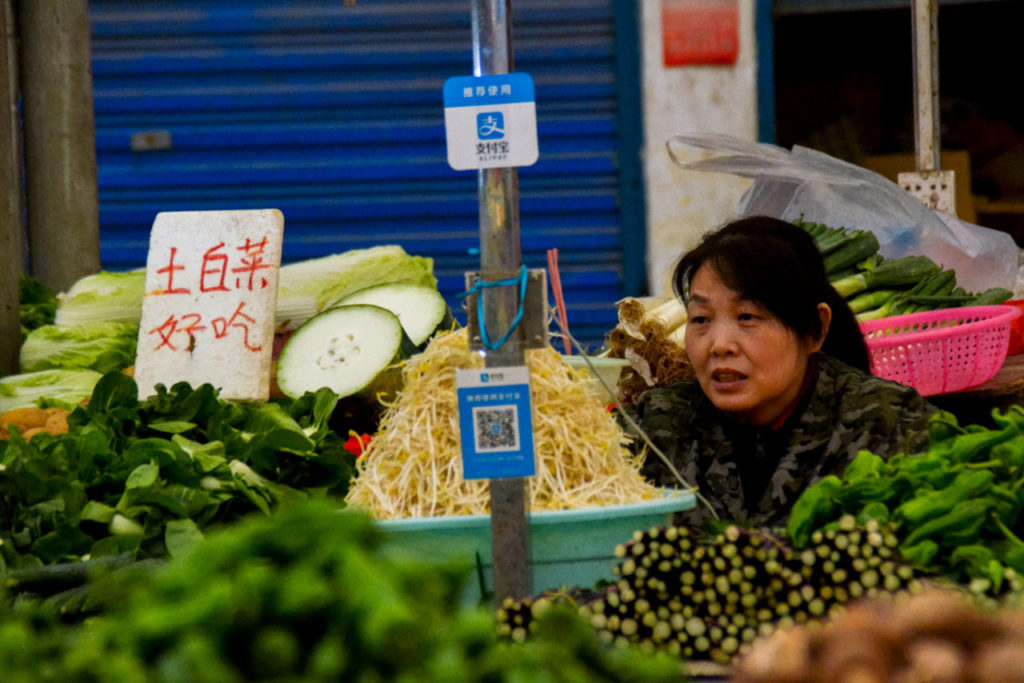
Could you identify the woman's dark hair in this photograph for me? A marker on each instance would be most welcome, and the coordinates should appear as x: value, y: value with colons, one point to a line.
x: 777, y: 265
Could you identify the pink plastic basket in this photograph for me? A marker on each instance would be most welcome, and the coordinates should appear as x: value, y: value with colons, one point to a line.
x: 938, y: 352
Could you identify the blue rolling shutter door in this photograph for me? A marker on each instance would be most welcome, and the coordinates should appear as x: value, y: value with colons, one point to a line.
x: 333, y: 114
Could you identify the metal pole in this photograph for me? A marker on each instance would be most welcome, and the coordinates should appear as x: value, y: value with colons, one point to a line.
x: 12, y: 223
x: 501, y: 258
x: 60, y: 141
x: 926, y: 84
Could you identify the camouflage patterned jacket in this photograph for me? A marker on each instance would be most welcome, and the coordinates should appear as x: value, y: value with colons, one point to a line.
x: 755, y: 474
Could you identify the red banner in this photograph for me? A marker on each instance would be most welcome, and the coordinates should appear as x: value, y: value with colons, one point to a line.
x: 700, y: 31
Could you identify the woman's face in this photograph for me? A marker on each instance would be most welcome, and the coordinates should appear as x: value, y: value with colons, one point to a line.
x: 747, y: 362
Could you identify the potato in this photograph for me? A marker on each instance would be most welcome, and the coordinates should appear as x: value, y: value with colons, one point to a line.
x: 57, y: 422
x: 24, y: 418
x: 1000, y: 661
x: 1013, y: 621
x: 782, y: 657
x: 941, y: 614
x: 931, y: 660
x: 855, y: 655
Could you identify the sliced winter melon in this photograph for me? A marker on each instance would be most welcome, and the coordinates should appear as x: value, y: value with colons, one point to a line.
x: 352, y: 350
x: 421, y: 309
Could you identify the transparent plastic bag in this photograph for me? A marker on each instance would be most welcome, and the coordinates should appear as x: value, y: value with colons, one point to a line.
x: 823, y: 189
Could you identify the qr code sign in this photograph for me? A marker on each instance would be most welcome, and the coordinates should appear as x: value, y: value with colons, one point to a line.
x: 496, y: 428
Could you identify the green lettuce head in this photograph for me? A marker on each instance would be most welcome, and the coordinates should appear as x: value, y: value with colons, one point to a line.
x: 99, y: 346
x: 46, y: 388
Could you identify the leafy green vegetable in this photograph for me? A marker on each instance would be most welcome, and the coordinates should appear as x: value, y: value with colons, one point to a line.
x: 37, y: 303
x: 146, y: 477
x: 181, y: 536
x: 46, y: 387
x: 307, y: 594
x: 979, y: 561
x: 99, y: 346
x: 812, y: 509
x: 965, y: 491
x: 876, y: 287
x: 103, y: 297
x: 864, y: 465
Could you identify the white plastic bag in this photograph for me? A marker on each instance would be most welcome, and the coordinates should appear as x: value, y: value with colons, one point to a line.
x: 823, y: 189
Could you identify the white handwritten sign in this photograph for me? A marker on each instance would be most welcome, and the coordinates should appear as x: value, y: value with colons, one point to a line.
x: 211, y: 297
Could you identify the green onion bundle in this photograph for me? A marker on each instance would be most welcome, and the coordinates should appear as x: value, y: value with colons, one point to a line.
x: 876, y: 287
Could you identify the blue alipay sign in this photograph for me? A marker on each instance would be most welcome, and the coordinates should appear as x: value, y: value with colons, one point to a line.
x: 490, y: 121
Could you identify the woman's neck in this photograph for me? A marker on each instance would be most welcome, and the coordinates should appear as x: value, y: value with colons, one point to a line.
x: 810, y: 373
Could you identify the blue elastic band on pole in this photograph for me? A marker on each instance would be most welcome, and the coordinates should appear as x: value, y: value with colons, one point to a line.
x: 521, y: 280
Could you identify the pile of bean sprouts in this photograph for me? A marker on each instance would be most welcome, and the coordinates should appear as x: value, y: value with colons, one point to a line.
x: 413, y: 465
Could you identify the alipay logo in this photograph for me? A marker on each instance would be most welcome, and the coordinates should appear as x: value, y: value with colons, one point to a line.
x: 490, y: 125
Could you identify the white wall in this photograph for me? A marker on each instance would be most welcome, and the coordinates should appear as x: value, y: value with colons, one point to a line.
x: 682, y: 205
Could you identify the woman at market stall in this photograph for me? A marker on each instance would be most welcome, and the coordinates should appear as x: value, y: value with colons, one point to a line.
x: 783, y: 394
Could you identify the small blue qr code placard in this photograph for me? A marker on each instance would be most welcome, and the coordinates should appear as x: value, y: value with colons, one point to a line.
x: 494, y: 423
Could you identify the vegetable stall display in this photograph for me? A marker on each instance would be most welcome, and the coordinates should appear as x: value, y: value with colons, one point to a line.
x: 94, y: 325
x: 706, y: 595
x: 956, y: 508
x: 946, y: 519
x: 876, y: 287
x: 412, y: 467
x: 306, y: 594
x: 155, y: 479
x: 305, y: 288
x: 146, y: 479
x: 126, y: 480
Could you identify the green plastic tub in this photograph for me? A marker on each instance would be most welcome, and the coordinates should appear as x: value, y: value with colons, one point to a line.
x: 567, y: 547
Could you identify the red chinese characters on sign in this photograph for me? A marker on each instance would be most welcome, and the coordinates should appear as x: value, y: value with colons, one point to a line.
x: 215, y: 265
x: 700, y: 31
x: 252, y: 263
x: 169, y: 270
x: 218, y: 273
x: 214, y: 272
x: 186, y: 325
x: 221, y: 326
